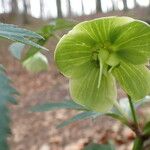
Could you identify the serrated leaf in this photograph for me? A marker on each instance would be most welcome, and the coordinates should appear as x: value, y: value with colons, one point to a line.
x: 7, y: 93
x: 37, y: 63
x: 68, y: 104
x: 14, y: 33
x: 46, y: 32
x: 9, y: 29
x: 80, y: 116
x: 16, y: 49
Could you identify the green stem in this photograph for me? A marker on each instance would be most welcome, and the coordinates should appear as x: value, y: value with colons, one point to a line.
x: 133, y: 112
x: 138, y: 143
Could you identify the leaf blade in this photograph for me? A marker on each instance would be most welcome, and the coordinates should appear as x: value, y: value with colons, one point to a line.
x: 68, y: 104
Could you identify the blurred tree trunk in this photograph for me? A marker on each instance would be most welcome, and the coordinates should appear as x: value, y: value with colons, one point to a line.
x: 3, y: 5
x: 59, y: 11
x: 135, y: 4
x: 149, y: 6
x: 82, y: 5
x: 29, y: 7
x: 98, y: 6
x: 69, y: 8
x: 14, y: 6
x: 125, y: 5
x: 41, y: 8
x: 25, y: 13
x: 113, y: 5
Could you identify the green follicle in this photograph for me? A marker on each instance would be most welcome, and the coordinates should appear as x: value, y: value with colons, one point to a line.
x: 104, y: 57
x: 113, y: 60
x: 103, y: 54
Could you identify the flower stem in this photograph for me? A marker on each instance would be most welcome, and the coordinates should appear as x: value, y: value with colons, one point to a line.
x: 133, y: 111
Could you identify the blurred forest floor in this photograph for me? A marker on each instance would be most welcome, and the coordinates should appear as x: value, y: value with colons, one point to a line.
x: 37, y: 131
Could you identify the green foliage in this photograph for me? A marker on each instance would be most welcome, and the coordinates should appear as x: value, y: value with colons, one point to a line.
x: 138, y: 144
x: 85, y: 114
x: 99, y: 147
x: 16, y: 49
x: 7, y: 93
x: 79, y: 117
x: 95, y: 53
x: 68, y: 104
x: 37, y: 63
x: 147, y: 128
x: 14, y: 33
x: 32, y: 53
x: 59, y: 24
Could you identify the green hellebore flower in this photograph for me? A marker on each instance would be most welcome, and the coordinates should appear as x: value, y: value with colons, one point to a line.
x: 95, y: 53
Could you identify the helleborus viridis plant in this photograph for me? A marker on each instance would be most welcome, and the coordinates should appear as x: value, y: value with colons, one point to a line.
x: 96, y: 54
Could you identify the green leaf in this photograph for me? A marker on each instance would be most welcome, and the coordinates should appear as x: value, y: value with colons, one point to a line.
x: 14, y: 33
x: 99, y: 147
x: 133, y: 79
x: 7, y: 93
x: 68, y: 104
x: 85, y: 91
x: 9, y: 29
x: 37, y: 63
x: 46, y: 32
x: 138, y: 144
x: 146, y: 129
x: 16, y: 49
x: 79, y: 117
x: 60, y: 24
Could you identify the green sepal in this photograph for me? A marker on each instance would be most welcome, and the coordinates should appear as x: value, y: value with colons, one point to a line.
x: 84, y: 90
x: 134, y: 79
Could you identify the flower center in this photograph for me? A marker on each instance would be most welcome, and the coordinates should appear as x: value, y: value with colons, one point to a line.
x: 105, y: 54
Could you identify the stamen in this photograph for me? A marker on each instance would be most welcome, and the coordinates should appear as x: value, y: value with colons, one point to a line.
x: 100, y: 71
